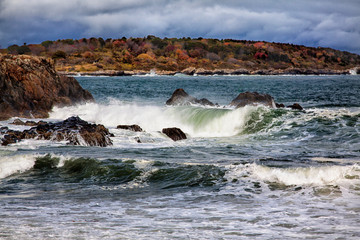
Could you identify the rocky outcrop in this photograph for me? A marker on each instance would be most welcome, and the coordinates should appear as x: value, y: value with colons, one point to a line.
x: 180, y: 97
x: 134, y: 127
x: 74, y: 130
x: 252, y: 98
x: 174, y: 133
x: 30, y: 87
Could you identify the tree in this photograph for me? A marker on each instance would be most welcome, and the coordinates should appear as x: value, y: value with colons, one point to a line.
x: 59, y: 54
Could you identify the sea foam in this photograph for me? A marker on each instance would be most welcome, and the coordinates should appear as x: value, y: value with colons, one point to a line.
x: 196, y: 121
x: 16, y: 164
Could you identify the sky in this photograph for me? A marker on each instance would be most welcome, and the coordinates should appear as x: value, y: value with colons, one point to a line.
x: 324, y: 23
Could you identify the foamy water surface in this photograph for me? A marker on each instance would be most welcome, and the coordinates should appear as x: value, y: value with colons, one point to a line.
x: 247, y: 173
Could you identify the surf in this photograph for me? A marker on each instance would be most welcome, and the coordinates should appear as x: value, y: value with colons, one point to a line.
x: 196, y: 121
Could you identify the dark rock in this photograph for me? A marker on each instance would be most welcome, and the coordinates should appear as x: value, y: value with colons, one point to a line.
x: 180, y: 97
x: 295, y: 106
x: 174, y: 133
x: 279, y: 105
x: 134, y: 128
x: 137, y: 139
x: 30, y: 87
x: 74, y: 130
x: 252, y: 98
x: 3, y: 129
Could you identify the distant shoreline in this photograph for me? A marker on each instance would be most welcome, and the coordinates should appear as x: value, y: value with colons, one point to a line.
x: 206, y: 72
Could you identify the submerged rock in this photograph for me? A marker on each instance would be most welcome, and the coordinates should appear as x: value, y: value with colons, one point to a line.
x: 174, y: 133
x: 74, y: 130
x: 30, y: 87
x: 134, y: 127
x: 252, y: 98
x: 180, y: 97
x: 296, y: 106
x: 279, y: 105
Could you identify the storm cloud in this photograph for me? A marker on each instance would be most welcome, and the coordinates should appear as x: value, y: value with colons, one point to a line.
x: 326, y: 23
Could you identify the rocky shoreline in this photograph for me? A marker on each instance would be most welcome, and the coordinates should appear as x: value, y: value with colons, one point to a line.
x: 191, y: 71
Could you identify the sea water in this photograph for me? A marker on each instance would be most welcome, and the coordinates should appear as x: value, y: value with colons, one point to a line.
x: 246, y: 173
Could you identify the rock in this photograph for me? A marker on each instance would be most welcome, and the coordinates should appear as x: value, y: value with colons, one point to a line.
x: 174, y: 133
x: 189, y: 71
x: 134, y: 128
x: 18, y: 122
x: 164, y: 72
x: 27, y: 123
x: 30, y: 87
x: 252, y: 98
x: 240, y: 72
x: 180, y: 97
x: 202, y: 71
x: 296, y: 106
x: 279, y: 105
x: 74, y: 130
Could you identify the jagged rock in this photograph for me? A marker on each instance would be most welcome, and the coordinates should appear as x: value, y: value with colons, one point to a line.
x: 74, y: 130
x: 134, y: 127
x: 296, y: 106
x: 180, y: 97
x: 30, y: 87
x: 252, y: 98
x: 174, y: 133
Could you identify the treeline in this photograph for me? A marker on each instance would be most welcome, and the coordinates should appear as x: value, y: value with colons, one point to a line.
x: 173, y: 54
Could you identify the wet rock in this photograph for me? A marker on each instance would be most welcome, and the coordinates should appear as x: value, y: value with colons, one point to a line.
x: 174, y: 133
x: 30, y: 87
x: 74, y: 130
x: 279, y: 105
x: 252, y: 98
x: 180, y: 97
x: 134, y: 127
x: 296, y: 106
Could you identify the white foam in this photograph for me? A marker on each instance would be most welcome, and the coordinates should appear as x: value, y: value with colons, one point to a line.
x: 193, y: 120
x: 302, y: 176
x: 16, y: 164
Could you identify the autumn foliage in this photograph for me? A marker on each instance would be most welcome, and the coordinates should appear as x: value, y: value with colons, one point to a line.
x: 177, y: 54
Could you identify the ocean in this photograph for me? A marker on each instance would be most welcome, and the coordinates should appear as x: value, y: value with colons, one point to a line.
x: 246, y: 173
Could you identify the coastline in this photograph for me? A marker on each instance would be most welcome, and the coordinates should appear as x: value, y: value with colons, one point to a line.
x: 206, y: 72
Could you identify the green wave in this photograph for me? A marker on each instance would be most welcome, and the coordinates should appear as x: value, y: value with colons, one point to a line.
x: 114, y: 171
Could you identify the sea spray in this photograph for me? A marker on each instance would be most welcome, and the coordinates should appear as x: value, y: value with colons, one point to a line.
x: 196, y: 121
x: 16, y: 164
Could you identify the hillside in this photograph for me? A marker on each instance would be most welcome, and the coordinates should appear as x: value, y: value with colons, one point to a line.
x: 170, y: 55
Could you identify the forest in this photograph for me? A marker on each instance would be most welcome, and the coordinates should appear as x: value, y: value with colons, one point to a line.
x: 177, y: 54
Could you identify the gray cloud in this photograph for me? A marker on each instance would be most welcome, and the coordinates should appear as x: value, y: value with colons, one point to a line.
x: 327, y: 23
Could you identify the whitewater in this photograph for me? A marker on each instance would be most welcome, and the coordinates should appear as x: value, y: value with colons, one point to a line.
x: 248, y: 173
